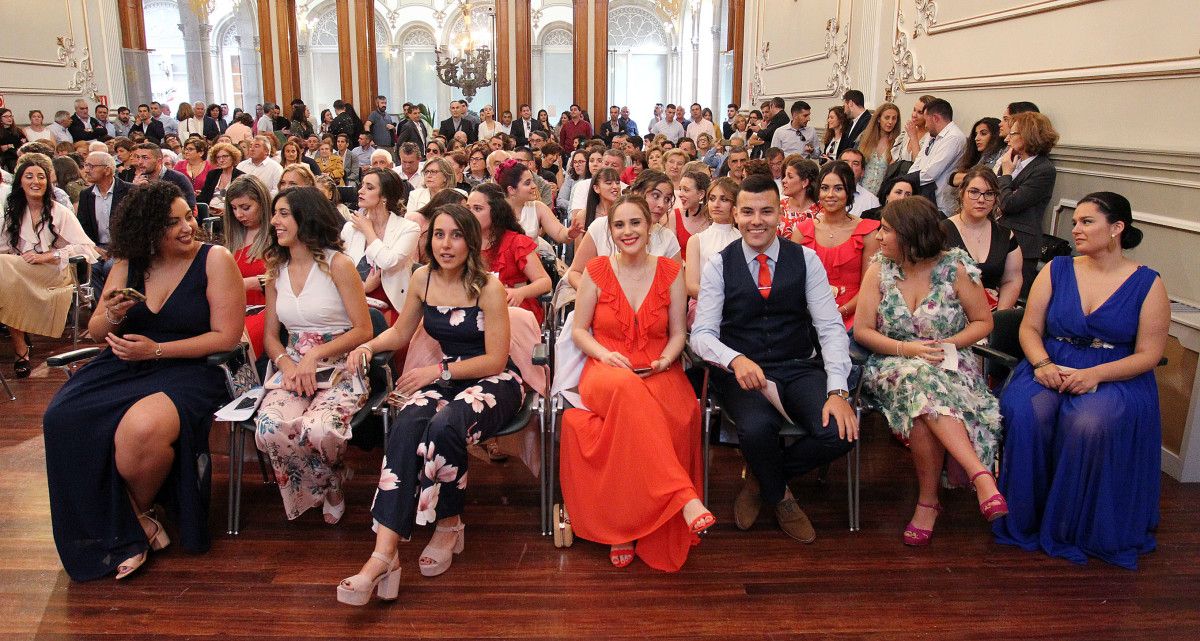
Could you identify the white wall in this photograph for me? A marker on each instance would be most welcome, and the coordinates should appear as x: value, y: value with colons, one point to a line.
x: 60, y: 51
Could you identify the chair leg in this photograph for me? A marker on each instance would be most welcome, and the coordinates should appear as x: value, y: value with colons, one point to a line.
x: 233, y: 431
x: 704, y: 447
x: 7, y: 389
x: 237, y: 494
x: 853, y: 468
x: 545, y: 514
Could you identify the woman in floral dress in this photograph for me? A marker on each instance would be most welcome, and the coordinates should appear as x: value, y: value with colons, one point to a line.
x: 464, y: 399
x: 916, y: 298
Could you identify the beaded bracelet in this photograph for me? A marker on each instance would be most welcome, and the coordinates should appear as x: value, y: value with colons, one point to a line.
x: 108, y: 317
x: 1042, y: 363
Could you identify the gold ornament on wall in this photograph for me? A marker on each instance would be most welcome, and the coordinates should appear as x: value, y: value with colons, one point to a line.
x: 904, y: 65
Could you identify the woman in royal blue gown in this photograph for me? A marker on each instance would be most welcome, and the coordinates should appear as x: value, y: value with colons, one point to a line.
x: 1081, y: 457
x: 130, y: 429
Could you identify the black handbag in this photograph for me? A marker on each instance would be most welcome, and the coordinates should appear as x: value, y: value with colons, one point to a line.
x: 1053, y: 246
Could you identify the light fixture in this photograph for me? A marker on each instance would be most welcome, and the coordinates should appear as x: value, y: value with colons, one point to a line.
x: 464, y: 62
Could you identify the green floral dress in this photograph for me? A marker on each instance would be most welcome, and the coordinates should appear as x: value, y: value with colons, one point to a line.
x: 905, y: 387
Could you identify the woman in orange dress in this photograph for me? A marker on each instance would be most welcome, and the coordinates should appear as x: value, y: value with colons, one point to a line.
x: 631, y: 462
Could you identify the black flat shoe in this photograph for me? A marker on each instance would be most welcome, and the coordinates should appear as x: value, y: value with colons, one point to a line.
x: 21, y: 366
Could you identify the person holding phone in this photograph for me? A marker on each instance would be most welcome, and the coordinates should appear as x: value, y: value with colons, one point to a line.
x: 380, y: 241
x: 314, y: 293
x: 642, y: 417
x: 132, y: 425
x: 919, y: 304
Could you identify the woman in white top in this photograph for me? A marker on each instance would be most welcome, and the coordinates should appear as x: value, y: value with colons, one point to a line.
x: 37, y: 238
x: 380, y: 241
x: 722, y: 194
x: 657, y: 189
x: 516, y: 179
x: 37, y: 129
x: 313, y: 292
x: 488, y: 126
x: 439, y: 174
x: 191, y: 122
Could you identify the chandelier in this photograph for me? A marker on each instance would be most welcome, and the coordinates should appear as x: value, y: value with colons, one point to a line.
x: 464, y: 64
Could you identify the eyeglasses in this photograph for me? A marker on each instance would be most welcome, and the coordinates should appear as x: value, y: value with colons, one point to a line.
x: 975, y: 194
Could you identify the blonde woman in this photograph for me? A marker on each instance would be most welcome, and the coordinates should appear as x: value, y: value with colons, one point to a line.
x: 877, y: 143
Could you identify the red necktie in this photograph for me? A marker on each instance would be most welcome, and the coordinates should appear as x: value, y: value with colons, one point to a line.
x: 764, y: 276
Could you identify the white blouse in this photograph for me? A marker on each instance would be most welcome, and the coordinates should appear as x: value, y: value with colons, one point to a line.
x: 318, y: 308
x: 715, y: 238
x: 72, y: 241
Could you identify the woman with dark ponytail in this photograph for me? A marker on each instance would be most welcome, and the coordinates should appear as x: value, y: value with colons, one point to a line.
x: 1081, y: 459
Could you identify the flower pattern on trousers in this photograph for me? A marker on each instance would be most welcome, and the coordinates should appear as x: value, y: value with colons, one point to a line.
x: 476, y: 398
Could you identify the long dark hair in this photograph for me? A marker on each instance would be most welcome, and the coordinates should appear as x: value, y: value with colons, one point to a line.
x: 1116, y: 208
x: 139, y: 224
x: 593, y: 201
x: 971, y: 153
x: 12, y: 129
x: 318, y: 226
x: 503, y: 218
x: 208, y: 111
x: 845, y: 174
x: 475, y: 274
x: 390, y: 188
x: 17, y: 203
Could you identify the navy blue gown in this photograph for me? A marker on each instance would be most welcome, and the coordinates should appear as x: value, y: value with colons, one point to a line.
x: 95, y: 527
x: 1081, y: 472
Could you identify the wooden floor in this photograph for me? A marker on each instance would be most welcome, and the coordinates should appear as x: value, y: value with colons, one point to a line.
x: 277, y: 579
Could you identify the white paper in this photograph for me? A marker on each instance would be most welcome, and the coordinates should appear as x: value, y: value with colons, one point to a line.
x: 771, y: 391
x: 950, y: 359
x: 231, y: 412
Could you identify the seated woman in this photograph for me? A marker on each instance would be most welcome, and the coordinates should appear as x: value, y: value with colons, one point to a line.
x: 330, y: 189
x: 993, y: 247
x: 330, y: 163
x: 893, y: 189
x: 983, y: 148
x: 37, y: 239
x: 631, y: 463
x: 438, y: 174
x: 423, y: 216
x: 296, y: 175
x: 1083, y: 444
x: 722, y: 195
x: 315, y: 295
x: 917, y: 298
x: 658, y: 192
x: 247, y: 230
x: 125, y: 432
x: 194, y: 163
x: 507, y: 251
x: 466, y: 398
x: 799, y: 200
x: 516, y: 179
x: 844, y: 243
x: 379, y: 240
x: 224, y: 157
x: 292, y: 153
x: 690, y: 217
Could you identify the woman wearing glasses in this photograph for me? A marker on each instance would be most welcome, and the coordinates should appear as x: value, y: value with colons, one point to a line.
x: 975, y: 230
x: 1026, y: 181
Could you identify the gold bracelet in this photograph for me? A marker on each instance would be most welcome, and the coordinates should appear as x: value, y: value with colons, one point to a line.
x: 276, y: 359
x: 899, y: 346
x: 1042, y: 363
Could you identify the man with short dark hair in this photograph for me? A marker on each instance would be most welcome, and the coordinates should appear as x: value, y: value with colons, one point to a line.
x: 669, y: 126
x: 409, y: 168
x: 767, y: 323
x: 102, y: 116
x: 612, y: 127
x: 366, y: 147
x: 863, y: 198
x: 459, y: 122
x: 688, y: 146
x: 412, y: 129
x: 537, y: 139
x: 381, y: 125
x: 148, y: 164
x: 939, y: 156
x: 350, y: 166
x: 343, y: 122
x: 699, y: 124
x: 731, y: 112
x: 857, y: 118
x: 523, y: 127
x: 575, y: 127
x: 798, y: 137
x: 162, y: 113
x: 123, y: 124
x: 775, y: 118
x: 266, y: 122
x: 147, y: 126
x: 545, y: 191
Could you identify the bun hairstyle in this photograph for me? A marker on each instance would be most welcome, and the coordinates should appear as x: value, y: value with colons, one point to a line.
x: 1116, y: 208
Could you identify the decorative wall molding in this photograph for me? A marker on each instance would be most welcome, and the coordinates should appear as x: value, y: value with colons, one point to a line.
x: 836, y: 20
x: 1118, y: 72
x: 839, y: 51
x: 1150, y: 180
x: 926, y: 17
x: 1156, y: 220
x: 1000, y: 15
x: 68, y: 56
x: 760, y: 67
x: 904, y: 66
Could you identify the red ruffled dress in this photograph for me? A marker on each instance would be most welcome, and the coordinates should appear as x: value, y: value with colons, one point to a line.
x: 789, y: 220
x: 843, y: 263
x: 631, y: 461
x: 254, y: 322
x: 508, y: 259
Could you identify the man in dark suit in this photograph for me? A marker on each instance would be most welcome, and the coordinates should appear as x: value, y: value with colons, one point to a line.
x: 457, y: 122
x: 776, y: 118
x: 857, y: 117
x: 152, y: 128
x: 96, y: 206
x: 525, y: 125
x: 767, y: 316
x: 83, y: 126
x: 412, y: 129
x: 613, y: 126
x: 1026, y: 183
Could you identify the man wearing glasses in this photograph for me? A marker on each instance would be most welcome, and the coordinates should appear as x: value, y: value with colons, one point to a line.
x: 797, y: 137
x: 96, y: 206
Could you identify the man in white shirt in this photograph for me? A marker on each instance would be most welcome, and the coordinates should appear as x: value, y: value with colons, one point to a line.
x: 410, y: 165
x: 62, y: 120
x: 700, y: 125
x: 863, y: 199
x: 939, y: 156
x: 266, y: 122
x: 669, y: 127
x: 658, y: 117
x: 797, y: 137
x: 260, y: 165
x: 162, y: 114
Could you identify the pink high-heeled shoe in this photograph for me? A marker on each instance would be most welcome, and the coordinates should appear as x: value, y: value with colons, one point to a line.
x: 915, y: 536
x: 994, y: 506
x: 158, y: 540
x: 441, y: 558
x: 356, y: 590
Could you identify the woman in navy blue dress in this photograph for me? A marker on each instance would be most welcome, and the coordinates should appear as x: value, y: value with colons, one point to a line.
x: 465, y: 399
x: 131, y: 427
x: 1083, y: 447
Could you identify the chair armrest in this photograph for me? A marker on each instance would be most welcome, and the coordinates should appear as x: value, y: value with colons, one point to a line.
x: 545, y: 299
x: 223, y: 358
x: 541, y: 354
x: 1006, y: 360
x: 858, y: 353
x: 66, y: 358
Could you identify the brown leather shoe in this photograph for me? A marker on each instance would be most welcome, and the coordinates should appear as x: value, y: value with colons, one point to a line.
x: 748, y: 503
x: 794, y: 522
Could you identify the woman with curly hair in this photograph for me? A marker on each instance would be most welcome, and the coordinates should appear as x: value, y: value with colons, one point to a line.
x: 37, y: 239
x: 313, y: 292
x: 464, y: 399
x: 130, y: 429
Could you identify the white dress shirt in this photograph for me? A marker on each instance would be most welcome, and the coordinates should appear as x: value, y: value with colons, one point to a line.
x: 103, y: 210
x: 269, y: 172
x: 937, y: 160
x: 60, y: 132
x: 863, y: 200
x: 831, y: 332
x: 796, y: 141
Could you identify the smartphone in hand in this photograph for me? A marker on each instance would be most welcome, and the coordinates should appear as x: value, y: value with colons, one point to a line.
x: 131, y: 294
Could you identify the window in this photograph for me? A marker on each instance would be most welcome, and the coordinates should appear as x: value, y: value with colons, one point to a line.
x: 420, y: 84
x: 168, y: 62
x: 553, y: 92
x: 320, y: 70
x: 639, y: 49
